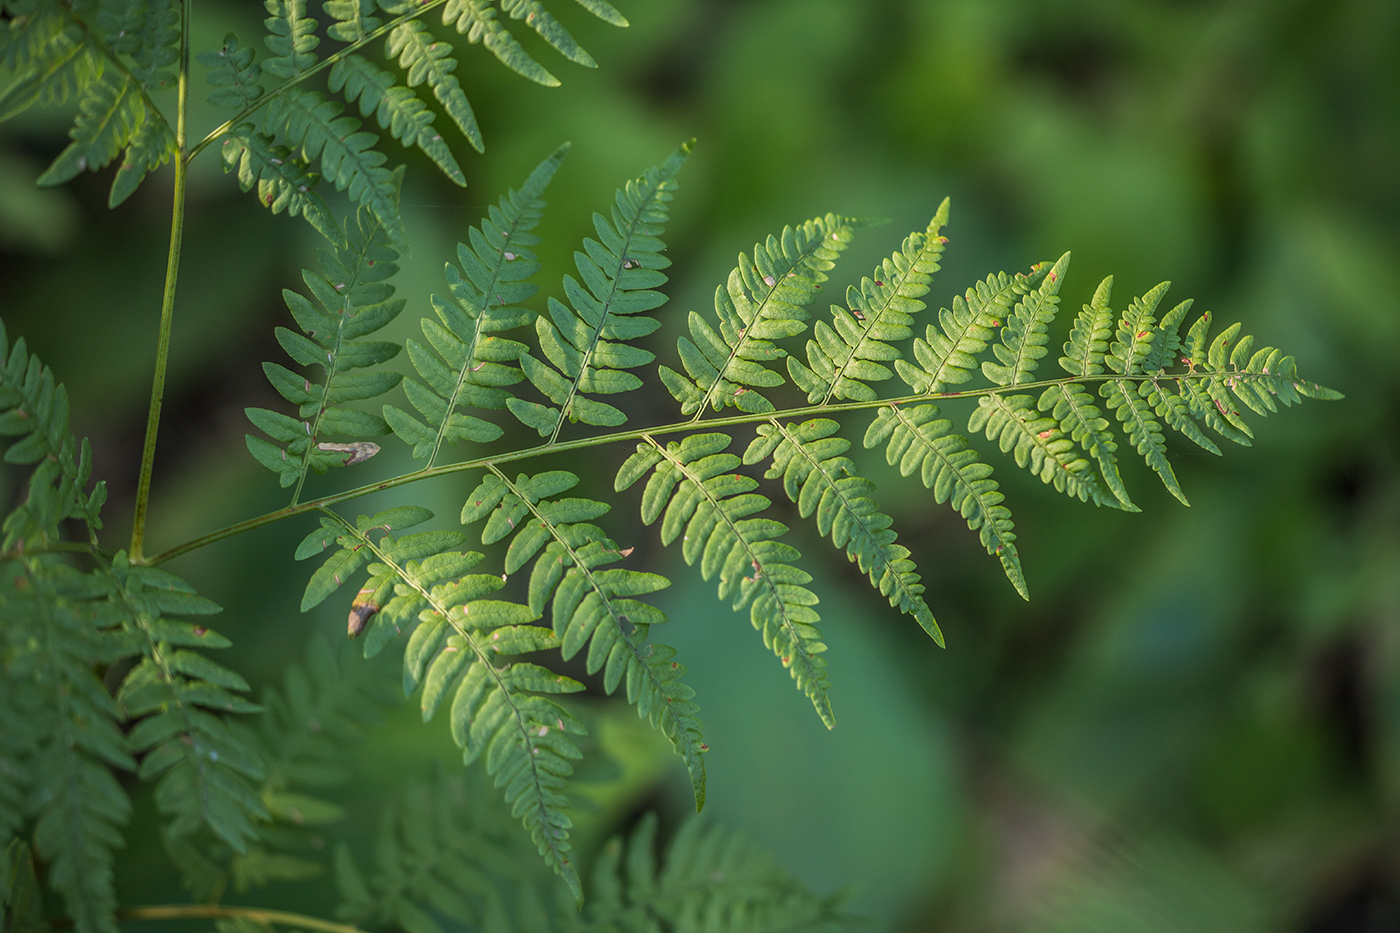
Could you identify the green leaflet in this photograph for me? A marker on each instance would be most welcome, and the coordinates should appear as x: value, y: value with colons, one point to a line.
x: 462, y: 655
x: 851, y: 351
x: 592, y: 603
x: 464, y: 363
x: 352, y: 298
x: 823, y: 482
x: 916, y: 439
x: 699, y: 499
x: 764, y: 301
x: 586, y: 342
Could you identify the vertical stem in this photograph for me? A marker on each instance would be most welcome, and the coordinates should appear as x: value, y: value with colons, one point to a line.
x: 167, y: 303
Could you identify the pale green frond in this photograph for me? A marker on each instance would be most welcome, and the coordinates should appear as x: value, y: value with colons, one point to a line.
x: 592, y: 604
x: 317, y: 128
x: 817, y: 475
x: 291, y: 38
x: 1079, y: 419
x: 699, y: 498
x: 917, y: 439
x: 148, y: 33
x: 464, y: 362
x: 947, y: 353
x: 549, y: 29
x: 1038, y: 445
x: 396, y: 108
x: 588, y: 343
x: 351, y: 297
x: 234, y: 72
x: 425, y: 60
x: 1027, y: 331
x: 764, y: 300
x: 463, y: 655
x: 284, y: 181
x: 1088, y: 339
x: 477, y: 19
x: 352, y: 20
x: 855, y: 347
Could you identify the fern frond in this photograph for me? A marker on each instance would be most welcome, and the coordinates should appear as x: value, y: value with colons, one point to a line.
x: 916, y: 439
x: 549, y: 29
x: 459, y: 654
x: 1038, y: 445
x: 149, y: 33
x: 57, y: 633
x: 1027, y: 331
x: 177, y: 694
x: 396, y: 108
x: 291, y: 38
x: 592, y: 604
x: 34, y: 410
x: 353, y: 20
x: 710, y: 878
x: 352, y: 298
x: 765, y: 300
x: 464, y: 362
x: 284, y: 181
x: 699, y: 498
x: 947, y: 353
x: 851, y: 351
x: 234, y: 72
x: 1089, y: 337
x: 820, y: 479
x: 424, y: 60
x: 318, y: 128
x: 588, y: 340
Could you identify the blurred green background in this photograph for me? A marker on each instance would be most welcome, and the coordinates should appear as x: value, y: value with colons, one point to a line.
x: 1194, y: 724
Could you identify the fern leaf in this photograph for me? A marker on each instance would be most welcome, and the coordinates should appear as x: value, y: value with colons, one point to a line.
x: 52, y: 55
x: 203, y: 767
x: 291, y: 38
x: 477, y: 18
x: 851, y: 351
x: 464, y: 363
x: 110, y: 109
x: 916, y: 439
x: 1088, y: 339
x: 433, y: 62
x: 58, y: 633
x: 461, y: 654
x: 947, y: 353
x: 396, y: 108
x: 149, y: 33
x: 1079, y: 419
x: 151, y: 146
x: 820, y: 479
x: 592, y: 603
x: 283, y: 180
x: 34, y: 410
x: 352, y: 298
x: 700, y: 500
x: 587, y: 341
x: 1038, y: 445
x: 353, y: 20
x: 234, y: 72
x: 604, y: 11
x: 765, y: 300
x: 1026, y: 332
x: 317, y: 128
x: 549, y: 29
x: 710, y: 878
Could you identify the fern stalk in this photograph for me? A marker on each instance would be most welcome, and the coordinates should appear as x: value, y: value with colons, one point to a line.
x: 257, y: 914
x: 602, y: 440
x: 167, y: 301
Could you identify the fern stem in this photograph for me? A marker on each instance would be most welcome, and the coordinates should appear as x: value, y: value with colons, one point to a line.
x: 677, y: 427
x: 167, y: 301
x: 187, y: 911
